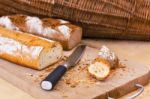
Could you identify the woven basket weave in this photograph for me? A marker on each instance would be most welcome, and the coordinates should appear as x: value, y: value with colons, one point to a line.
x: 120, y: 19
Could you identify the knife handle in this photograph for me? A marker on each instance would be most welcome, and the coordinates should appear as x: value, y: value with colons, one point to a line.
x: 51, y: 80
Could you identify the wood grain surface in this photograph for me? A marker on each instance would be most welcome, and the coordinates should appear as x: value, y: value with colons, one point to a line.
x: 130, y: 50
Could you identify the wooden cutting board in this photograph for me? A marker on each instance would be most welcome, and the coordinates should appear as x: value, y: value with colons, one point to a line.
x: 77, y: 83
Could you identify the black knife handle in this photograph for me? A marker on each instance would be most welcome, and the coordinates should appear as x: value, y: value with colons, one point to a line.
x: 51, y: 80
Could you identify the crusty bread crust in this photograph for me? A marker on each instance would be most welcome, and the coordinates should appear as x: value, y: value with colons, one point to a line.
x: 27, y: 49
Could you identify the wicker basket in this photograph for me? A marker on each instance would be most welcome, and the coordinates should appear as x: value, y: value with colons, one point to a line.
x: 32, y: 7
x: 120, y: 19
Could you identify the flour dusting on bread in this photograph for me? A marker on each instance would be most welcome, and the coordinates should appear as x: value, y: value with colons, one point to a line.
x: 65, y: 30
x: 63, y: 21
x: 10, y: 46
x: 109, y: 55
x: 34, y: 24
x: 6, y: 22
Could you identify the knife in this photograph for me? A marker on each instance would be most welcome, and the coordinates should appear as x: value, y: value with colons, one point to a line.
x: 51, y: 80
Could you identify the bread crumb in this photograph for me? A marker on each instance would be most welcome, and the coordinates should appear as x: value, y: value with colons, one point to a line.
x: 121, y: 65
x: 29, y: 74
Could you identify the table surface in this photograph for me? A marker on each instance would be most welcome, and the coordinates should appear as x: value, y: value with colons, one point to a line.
x: 131, y: 50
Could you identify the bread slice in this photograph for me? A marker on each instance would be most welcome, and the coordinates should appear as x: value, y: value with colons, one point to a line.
x: 67, y: 34
x: 28, y: 50
x: 100, y: 69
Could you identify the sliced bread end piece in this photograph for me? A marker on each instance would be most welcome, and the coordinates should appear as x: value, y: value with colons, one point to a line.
x: 100, y: 69
x: 51, y: 56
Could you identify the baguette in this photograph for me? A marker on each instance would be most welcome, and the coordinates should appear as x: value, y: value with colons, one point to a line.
x: 28, y: 50
x: 100, y: 68
x: 56, y: 29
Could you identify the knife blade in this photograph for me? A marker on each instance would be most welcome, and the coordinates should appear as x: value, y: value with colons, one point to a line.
x: 51, y: 80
